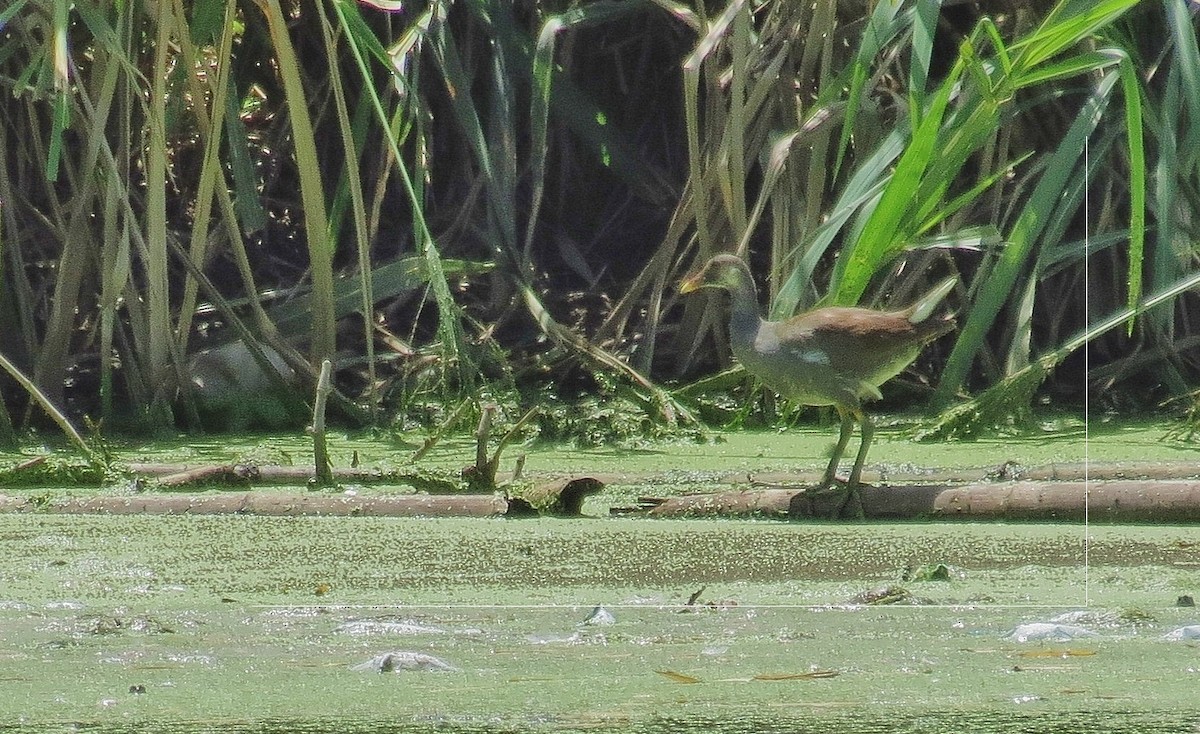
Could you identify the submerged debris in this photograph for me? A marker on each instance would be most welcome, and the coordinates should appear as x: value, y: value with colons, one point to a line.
x: 394, y: 662
x: 694, y: 604
x: 1190, y: 632
x: 886, y: 595
x: 810, y: 675
x: 1105, y: 617
x: 1006, y: 472
x: 1048, y: 632
x: 365, y: 627
x: 575, y: 638
x: 600, y: 617
x: 1053, y: 653
x: 105, y: 624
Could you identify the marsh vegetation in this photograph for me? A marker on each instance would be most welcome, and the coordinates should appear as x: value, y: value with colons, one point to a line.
x: 492, y: 203
x: 482, y: 208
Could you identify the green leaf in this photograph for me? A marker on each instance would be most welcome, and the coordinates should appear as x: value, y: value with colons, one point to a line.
x: 1069, y: 23
x: 1022, y: 241
x: 1137, y: 182
x: 883, y: 234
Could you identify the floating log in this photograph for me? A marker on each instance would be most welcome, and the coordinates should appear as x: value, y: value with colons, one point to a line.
x: 561, y: 497
x: 174, y: 475
x: 271, y: 504
x: 1116, y: 500
x: 209, y: 473
x: 758, y: 502
x: 1104, y: 501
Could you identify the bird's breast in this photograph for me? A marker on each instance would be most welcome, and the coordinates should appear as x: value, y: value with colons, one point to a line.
x: 795, y: 368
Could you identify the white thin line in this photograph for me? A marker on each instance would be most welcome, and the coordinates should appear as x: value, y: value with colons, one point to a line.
x: 669, y: 607
x: 1087, y: 590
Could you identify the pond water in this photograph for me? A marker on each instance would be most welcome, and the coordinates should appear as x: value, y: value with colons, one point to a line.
x: 245, y: 624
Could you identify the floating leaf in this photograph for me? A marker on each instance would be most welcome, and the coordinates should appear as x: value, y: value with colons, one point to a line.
x: 677, y: 677
x: 1056, y: 653
x: 811, y: 675
x: 932, y: 572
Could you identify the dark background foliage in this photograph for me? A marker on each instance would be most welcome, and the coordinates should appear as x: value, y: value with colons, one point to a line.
x: 555, y: 178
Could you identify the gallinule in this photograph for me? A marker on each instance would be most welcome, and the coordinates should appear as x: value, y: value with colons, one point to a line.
x: 831, y: 356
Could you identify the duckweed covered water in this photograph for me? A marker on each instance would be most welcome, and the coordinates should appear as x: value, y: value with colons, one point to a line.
x: 254, y: 624
x: 250, y: 624
x: 802, y: 447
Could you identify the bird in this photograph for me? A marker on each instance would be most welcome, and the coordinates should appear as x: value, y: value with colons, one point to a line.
x: 838, y: 356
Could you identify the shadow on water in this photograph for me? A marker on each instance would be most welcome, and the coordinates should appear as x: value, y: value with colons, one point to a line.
x: 873, y: 721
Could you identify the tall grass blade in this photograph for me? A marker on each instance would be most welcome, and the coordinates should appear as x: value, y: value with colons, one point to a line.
x: 211, y: 168
x: 1011, y: 396
x: 312, y: 192
x: 1065, y: 26
x: 1137, y: 182
x: 39, y: 397
x: 883, y: 235
x: 352, y: 181
x: 62, y: 82
x: 449, y: 328
x: 923, y: 30
x: 1022, y: 240
x: 886, y: 21
x: 860, y: 194
x: 158, y: 297
x: 693, y: 67
x: 543, y: 75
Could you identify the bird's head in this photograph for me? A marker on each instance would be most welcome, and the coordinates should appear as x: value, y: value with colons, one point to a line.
x: 727, y: 272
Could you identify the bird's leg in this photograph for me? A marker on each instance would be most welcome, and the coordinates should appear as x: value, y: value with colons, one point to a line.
x: 852, y: 494
x: 830, y: 477
x: 830, y: 480
x: 868, y: 431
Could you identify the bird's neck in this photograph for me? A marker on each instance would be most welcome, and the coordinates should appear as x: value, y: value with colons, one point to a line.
x: 743, y: 312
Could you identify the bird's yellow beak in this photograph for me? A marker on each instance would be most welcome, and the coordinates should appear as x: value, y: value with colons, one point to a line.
x: 692, y: 283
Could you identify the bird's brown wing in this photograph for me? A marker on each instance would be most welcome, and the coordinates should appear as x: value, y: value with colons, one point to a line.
x: 860, y: 344
x: 850, y: 330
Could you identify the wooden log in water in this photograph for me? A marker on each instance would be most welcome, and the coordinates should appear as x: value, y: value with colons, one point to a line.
x: 271, y: 504
x: 1115, y: 501
x: 561, y: 498
x: 757, y: 502
x: 1105, y: 501
x: 175, y: 475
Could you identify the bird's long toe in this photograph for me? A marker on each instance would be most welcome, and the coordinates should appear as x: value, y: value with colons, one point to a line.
x: 851, y: 505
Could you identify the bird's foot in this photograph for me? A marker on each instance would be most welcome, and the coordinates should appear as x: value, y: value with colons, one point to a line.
x: 847, y: 506
x: 851, y: 500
